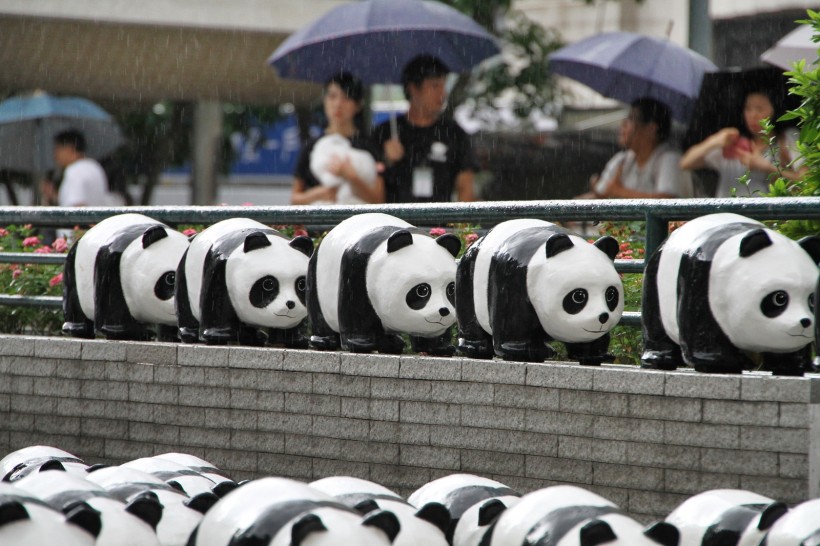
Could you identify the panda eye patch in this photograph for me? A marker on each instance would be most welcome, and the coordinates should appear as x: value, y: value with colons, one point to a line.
x: 264, y: 291
x: 612, y: 298
x: 164, y: 288
x: 451, y: 292
x: 575, y: 301
x: 811, y: 303
x: 301, y: 287
x: 775, y: 303
x: 418, y: 296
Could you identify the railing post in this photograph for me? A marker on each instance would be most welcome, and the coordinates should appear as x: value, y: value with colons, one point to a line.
x: 656, y: 231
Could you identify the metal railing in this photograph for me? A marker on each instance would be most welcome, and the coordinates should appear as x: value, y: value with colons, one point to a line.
x: 655, y: 213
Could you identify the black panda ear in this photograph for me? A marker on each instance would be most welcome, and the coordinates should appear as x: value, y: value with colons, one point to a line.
x: 398, y: 240
x: 223, y: 488
x: 303, y: 244
x: 437, y: 514
x: 85, y: 517
x: 811, y: 245
x: 153, y: 234
x: 255, y: 241
x: 202, y: 502
x: 754, y: 241
x: 384, y: 520
x: 558, y: 243
x: 489, y: 511
x: 11, y: 510
x: 53, y: 464
x: 95, y: 467
x: 146, y: 506
x: 663, y: 533
x: 307, y: 524
x: 596, y: 532
x: 609, y: 246
x: 366, y: 506
x: 450, y: 242
x: 771, y: 514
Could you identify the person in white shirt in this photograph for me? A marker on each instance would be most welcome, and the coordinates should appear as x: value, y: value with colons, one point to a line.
x: 84, y: 181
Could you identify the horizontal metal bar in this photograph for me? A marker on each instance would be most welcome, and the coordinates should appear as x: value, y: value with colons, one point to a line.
x: 32, y: 301
x: 481, y: 213
x: 631, y: 318
x: 31, y: 258
x: 629, y: 266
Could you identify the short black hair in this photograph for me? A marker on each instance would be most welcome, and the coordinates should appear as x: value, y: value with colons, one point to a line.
x: 420, y: 68
x: 70, y: 137
x: 654, y: 111
x: 350, y: 84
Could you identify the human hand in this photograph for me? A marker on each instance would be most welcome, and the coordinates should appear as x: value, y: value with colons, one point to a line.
x: 393, y: 150
x: 754, y: 161
x: 328, y: 193
x: 341, y: 166
x: 725, y: 137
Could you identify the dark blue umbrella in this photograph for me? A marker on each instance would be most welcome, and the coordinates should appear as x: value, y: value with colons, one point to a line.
x: 375, y: 39
x: 626, y: 66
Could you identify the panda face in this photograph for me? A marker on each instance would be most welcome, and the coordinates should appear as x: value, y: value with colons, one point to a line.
x: 267, y: 285
x: 412, y: 289
x: 577, y: 294
x: 764, y: 301
x: 148, y: 273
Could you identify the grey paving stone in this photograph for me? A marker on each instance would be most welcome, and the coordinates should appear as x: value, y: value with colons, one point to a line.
x: 491, y: 462
x: 628, y: 380
x: 786, y: 490
x: 698, y: 385
x: 313, y: 404
x: 397, y: 476
x: 255, y: 358
x: 5, y: 404
x: 249, y: 399
x: 493, y: 371
x: 658, y: 505
x: 456, y: 392
x: 594, y: 403
x: 733, y: 461
x: 153, y: 433
x: 774, y: 439
x: 322, y: 468
x: 284, y: 422
x: 130, y: 411
x: 692, y: 483
x: 369, y: 452
x: 559, y: 376
x: 793, y: 466
x: 592, y: 449
x: 740, y: 413
x: 667, y: 408
x: 370, y: 365
x: 430, y: 457
x: 103, y: 350
x: 554, y: 422
x: 520, y: 396
x: 17, y: 345
x: 124, y: 371
x: 21, y: 385
x: 632, y: 477
x: 427, y: 367
x: 286, y: 381
x: 59, y: 387
x: 54, y: 424
x: 58, y: 348
x: 103, y: 428
x: 493, y: 417
x: 204, y: 437
x: 289, y: 466
x: 33, y: 366
x: 214, y: 377
x: 162, y: 354
x: 312, y: 446
x: 767, y: 388
x: 399, y: 433
x: 268, y: 401
x: 126, y: 450
x: 429, y: 413
x: 794, y: 415
x: 558, y: 469
x: 204, y: 397
x: 311, y: 361
x: 635, y: 430
x: 341, y: 428
x: 702, y: 435
x: 103, y: 390
x: 23, y: 403
x: 178, y: 415
x: 250, y: 441
x: 153, y: 393
x: 233, y: 419
x: 203, y: 355
x: 342, y: 385
x: 663, y: 456
x: 400, y: 389
x: 231, y: 460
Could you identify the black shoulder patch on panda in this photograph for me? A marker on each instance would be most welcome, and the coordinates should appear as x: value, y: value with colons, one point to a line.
x: 303, y: 244
x: 307, y: 524
x: 754, y: 241
x: 153, y: 234
x: 398, y: 240
x: 596, y: 532
x: 608, y: 245
x: 11, y: 510
x: 86, y: 518
x: 202, y: 502
x: 255, y: 241
x: 384, y: 520
x: 771, y: 514
x: 663, y: 533
x: 811, y: 245
x: 52, y: 464
x: 366, y: 506
x: 557, y: 243
x: 489, y: 511
x: 450, y: 242
x: 437, y: 514
x: 146, y: 506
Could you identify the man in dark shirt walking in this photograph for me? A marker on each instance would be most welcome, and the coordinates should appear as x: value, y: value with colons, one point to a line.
x: 431, y: 156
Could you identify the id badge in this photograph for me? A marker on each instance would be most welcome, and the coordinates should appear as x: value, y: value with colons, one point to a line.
x: 422, y: 182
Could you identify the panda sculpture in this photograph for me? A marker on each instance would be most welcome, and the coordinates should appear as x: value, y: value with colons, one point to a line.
x: 204, y: 468
x: 28, y: 521
x: 176, y: 475
x: 374, y: 277
x: 725, y: 517
x: 528, y: 282
x: 19, y: 464
x: 122, y: 524
x: 283, y: 512
x: 722, y: 286
x: 565, y: 515
x: 425, y: 526
x: 243, y: 281
x: 119, y: 279
x: 332, y: 146
x: 459, y: 493
x: 800, y: 526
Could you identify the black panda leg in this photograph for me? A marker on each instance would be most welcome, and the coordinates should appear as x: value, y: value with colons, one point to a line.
x: 292, y: 338
x: 76, y: 323
x: 188, y: 325
x: 252, y: 336
x: 391, y: 344
x: 534, y: 349
x: 167, y: 333
x: 438, y: 346
x: 590, y: 354
x: 721, y: 360
x: 358, y: 343
x: 473, y: 341
x: 794, y: 364
x: 323, y: 337
x: 660, y: 352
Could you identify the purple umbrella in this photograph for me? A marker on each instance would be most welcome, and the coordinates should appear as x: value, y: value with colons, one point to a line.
x: 626, y: 66
x: 375, y: 39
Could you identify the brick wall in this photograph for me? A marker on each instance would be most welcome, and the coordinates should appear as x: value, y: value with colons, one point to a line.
x: 646, y: 440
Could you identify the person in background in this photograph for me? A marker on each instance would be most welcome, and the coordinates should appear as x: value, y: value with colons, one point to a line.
x: 648, y: 167
x: 84, y: 183
x: 431, y: 157
x: 733, y: 152
x: 343, y: 101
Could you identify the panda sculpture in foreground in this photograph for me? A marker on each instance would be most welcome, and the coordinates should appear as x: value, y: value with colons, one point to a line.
x: 22, y: 462
x: 243, y: 281
x: 725, y: 517
x: 800, y: 526
x: 722, y: 286
x: 528, y: 282
x: 565, y: 515
x: 119, y: 280
x: 283, y: 512
x: 374, y: 277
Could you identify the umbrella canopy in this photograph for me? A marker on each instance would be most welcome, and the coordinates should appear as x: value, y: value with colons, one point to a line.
x: 375, y: 39
x: 792, y: 47
x: 626, y: 66
x: 28, y: 125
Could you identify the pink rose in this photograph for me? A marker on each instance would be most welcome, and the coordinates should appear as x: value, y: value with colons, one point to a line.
x: 300, y: 233
x: 31, y: 241
x: 56, y: 279
x: 470, y: 238
x: 60, y: 245
x: 190, y: 231
x: 437, y: 232
x: 16, y: 273
x: 43, y: 250
x: 3, y: 232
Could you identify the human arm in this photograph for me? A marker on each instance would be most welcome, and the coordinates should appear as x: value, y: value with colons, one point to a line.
x: 371, y: 193
x: 393, y: 151
x: 464, y: 186
x: 695, y: 157
x: 615, y: 189
x: 299, y: 195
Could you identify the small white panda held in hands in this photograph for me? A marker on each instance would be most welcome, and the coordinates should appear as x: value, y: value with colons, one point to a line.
x: 327, y: 163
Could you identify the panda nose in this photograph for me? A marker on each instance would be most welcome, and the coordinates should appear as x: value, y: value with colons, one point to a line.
x: 290, y: 304
x: 603, y: 317
x: 805, y: 323
x: 443, y: 311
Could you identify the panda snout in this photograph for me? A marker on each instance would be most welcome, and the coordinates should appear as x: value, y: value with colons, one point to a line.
x: 805, y: 322
x: 290, y: 304
x: 443, y: 311
x: 603, y: 317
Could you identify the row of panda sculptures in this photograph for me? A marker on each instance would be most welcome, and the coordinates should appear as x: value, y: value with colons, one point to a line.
x: 50, y: 497
x: 721, y: 287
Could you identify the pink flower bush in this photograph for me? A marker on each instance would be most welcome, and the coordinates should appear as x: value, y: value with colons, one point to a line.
x: 43, y: 250
x: 300, y: 233
x: 16, y: 273
x: 3, y: 232
x: 437, y: 232
x: 31, y: 241
x: 60, y: 245
x: 56, y: 279
x: 190, y: 231
x: 470, y: 238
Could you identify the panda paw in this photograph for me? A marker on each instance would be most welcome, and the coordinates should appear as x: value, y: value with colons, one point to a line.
x: 83, y: 329
x: 475, y: 349
x: 661, y: 360
x: 324, y: 343
x: 525, y: 351
x: 358, y: 343
x: 391, y: 344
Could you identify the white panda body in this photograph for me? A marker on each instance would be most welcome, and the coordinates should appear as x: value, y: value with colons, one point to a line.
x: 334, y: 145
x: 193, y: 483
x: 199, y: 465
x: 26, y: 521
x: 22, y: 462
x: 800, y: 526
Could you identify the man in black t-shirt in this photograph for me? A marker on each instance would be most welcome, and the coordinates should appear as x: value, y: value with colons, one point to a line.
x: 432, y: 155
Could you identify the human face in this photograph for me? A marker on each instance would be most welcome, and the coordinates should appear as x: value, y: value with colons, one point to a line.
x: 339, y: 108
x: 634, y: 131
x: 63, y: 155
x: 430, y: 95
x: 757, y: 107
